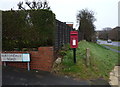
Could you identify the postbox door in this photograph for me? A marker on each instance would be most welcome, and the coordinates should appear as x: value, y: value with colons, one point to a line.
x: 73, y: 39
x: 74, y: 42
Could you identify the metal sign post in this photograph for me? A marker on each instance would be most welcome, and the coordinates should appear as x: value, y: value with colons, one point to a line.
x: 4, y: 63
x: 28, y: 66
x: 74, y: 54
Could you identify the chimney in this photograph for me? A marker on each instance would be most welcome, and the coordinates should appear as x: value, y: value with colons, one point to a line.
x: 70, y: 24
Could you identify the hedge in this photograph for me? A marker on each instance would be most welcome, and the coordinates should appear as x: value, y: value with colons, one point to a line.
x: 23, y: 31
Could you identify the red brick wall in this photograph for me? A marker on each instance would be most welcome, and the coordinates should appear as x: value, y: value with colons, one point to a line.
x: 41, y: 59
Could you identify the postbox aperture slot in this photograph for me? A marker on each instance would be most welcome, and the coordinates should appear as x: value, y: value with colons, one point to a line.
x: 73, y: 34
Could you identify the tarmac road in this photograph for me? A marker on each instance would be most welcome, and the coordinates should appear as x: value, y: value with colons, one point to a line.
x: 112, y: 43
x: 14, y: 76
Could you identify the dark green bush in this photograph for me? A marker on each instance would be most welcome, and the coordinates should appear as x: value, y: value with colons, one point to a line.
x: 20, y: 31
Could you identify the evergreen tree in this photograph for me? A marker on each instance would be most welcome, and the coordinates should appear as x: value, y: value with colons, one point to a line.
x: 86, y: 19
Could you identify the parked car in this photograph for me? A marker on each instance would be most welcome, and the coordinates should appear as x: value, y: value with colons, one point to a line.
x: 109, y: 41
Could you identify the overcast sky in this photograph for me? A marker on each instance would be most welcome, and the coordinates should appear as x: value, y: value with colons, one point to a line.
x: 106, y: 11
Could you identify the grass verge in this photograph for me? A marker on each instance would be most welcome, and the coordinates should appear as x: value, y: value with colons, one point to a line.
x: 102, y: 61
x: 113, y: 47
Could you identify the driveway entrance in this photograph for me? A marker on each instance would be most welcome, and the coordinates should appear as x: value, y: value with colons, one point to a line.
x: 15, y: 76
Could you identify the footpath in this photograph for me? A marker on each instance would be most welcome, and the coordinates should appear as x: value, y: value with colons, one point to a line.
x: 115, y: 77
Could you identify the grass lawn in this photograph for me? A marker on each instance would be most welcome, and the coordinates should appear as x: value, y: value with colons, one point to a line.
x: 113, y: 47
x: 102, y: 61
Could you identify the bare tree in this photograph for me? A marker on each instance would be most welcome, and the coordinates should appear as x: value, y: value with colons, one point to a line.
x: 28, y: 4
x: 34, y: 5
x: 39, y: 5
x: 20, y: 5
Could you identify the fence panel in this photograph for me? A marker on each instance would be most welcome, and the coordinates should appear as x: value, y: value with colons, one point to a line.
x: 62, y: 34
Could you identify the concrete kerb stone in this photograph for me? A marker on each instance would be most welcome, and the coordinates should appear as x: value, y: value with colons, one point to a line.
x: 115, y: 76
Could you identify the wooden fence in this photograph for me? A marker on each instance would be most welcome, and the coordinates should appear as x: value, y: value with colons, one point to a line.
x: 62, y: 34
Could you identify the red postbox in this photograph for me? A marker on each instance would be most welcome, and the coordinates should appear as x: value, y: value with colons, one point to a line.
x: 74, y: 39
